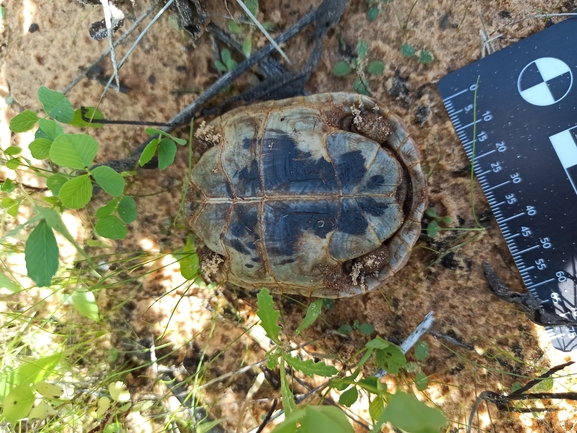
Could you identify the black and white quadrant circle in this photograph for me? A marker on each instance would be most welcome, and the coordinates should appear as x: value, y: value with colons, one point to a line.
x: 545, y: 81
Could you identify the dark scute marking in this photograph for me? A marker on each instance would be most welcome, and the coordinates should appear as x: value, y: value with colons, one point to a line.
x: 248, y: 265
x: 248, y: 142
x: 244, y: 221
x: 229, y: 190
x: 351, y: 169
x: 351, y: 220
x: 375, y: 182
x: 286, y: 262
x: 286, y: 168
x: 285, y: 223
x: 256, y: 259
x: 248, y: 179
x: 238, y: 245
x: 371, y: 206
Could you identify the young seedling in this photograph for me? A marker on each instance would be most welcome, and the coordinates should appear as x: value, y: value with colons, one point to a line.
x: 433, y: 227
x: 362, y: 66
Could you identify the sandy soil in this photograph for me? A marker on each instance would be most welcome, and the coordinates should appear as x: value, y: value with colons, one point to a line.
x: 500, y: 346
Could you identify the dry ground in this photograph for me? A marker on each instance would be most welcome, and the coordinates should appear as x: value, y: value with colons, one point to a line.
x: 504, y: 346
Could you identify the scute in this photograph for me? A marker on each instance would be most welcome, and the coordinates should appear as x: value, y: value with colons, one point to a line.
x: 288, y: 198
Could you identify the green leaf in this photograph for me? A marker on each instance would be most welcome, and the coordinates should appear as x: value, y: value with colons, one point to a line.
x: 288, y: 401
x: 40, y: 148
x: 189, y: 264
x: 23, y: 122
x: 166, y: 153
x: 85, y: 303
x: 373, y: 13
x: 391, y: 359
x: 371, y: 384
x: 42, y: 410
x: 313, y: 312
x: 77, y: 192
x: 127, y: 209
x: 41, y: 254
x: 376, y: 68
x: 13, y: 210
x: 421, y: 381
x: 8, y: 284
x: 152, y: 131
x: 7, y: 186
x: 35, y: 370
x: 51, y: 128
x: 309, y: 367
x: 425, y: 57
x: 268, y: 315
x: 411, y: 415
x: 225, y: 56
x: 325, y: 419
x: 431, y: 212
x: 247, y: 45
x: 220, y: 66
x: 109, y: 180
x: 376, y: 407
x: 111, y: 227
x: 366, y: 328
x: 269, y: 26
x: 91, y: 113
x: 7, y: 202
x: 12, y: 150
x: 377, y: 343
x: 108, y: 208
x: 544, y: 385
x: 433, y: 229
x: 421, y: 350
x: 49, y: 390
x: 361, y: 87
x: 362, y: 49
x: 13, y: 163
x: 342, y: 68
x: 233, y: 27
x: 349, y: 397
x: 149, y: 151
x: 252, y: 6
x: 407, y: 50
x: 345, y: 329
x: 18, y: 403
x: 74, y: 150
x: 55, y: 182
x: 56, y: 105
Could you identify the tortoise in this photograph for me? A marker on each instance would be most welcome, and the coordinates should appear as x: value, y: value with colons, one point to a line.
x: 319, y: 196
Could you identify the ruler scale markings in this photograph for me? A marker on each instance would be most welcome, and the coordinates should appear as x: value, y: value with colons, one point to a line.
x: 485, y: 154
x: 470, y: 124
x: 497, y: 186
x: 527, y: 249
x: 514, y: 216
x: 541, y: 283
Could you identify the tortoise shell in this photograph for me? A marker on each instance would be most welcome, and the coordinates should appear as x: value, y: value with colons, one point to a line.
x: 319, y: 196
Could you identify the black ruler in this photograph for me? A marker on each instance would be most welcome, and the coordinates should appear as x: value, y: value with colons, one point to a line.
x: 515, y: 113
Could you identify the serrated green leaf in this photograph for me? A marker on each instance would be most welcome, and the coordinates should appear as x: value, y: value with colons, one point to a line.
x: 189, y: 264
x: 149, y: 151
x: 49, y: 390
x: 313, y: 312
x: 40, y: 148
x: 51, y: 128
x: 407, y: 50
x: 23, y: 122
x: 288, y: 401
x: 85, y: 303
x: 56, y: 105
x: 376, y: 68
x: 309, y: 367
x: 421, y: 381
x: 421, y: 350
x: 18, y: 403
x: 411, y: 415
x: 91, y: 113
x: 166, y: 153
x: 425, y: 57
x: 233, y: 27
x: 349, y: 397
x: 127, y: 209
x: 7, y: 186
x: 247, y: 45
x: 77, y: 192
x: 268, y: 315
x: 362, y: 49
x: 109, y: 180
x: 12, y: 150
x: 42, y: 410
x: 373, y: 13
x: 13, y: 163
x: 74, y: 150
x: 252, y: 6
x: 342, y: 68
x: 55, y: 182
x: 41, y: 254
x: 111, y: 227
x: 8, y: 284
x: 376, y: 407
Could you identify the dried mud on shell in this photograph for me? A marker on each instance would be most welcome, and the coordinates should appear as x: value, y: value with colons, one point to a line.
x: 506, y: 347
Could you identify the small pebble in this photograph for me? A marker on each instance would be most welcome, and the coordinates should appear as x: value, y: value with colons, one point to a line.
x: 33, y: 27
